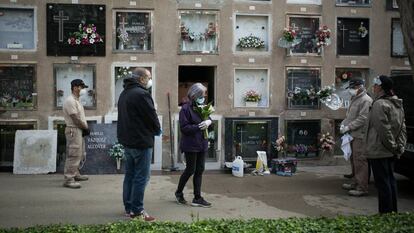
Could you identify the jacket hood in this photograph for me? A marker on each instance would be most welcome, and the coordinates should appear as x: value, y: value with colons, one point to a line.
x: 397, y: 102
x: 131, y: 82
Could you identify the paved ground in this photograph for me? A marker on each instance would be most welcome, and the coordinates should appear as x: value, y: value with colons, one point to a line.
x: 27, y: 200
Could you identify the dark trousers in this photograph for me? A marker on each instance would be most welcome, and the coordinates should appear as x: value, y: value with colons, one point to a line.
x: 383, y: 170
x: 194, y: 166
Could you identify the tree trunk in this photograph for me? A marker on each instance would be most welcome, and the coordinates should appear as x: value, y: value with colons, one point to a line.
x: 406, y: 8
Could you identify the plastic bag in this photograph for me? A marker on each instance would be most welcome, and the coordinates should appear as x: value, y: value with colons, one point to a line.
x: 237, y: 167
x: 261, y: 164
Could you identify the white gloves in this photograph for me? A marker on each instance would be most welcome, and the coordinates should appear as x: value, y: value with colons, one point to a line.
x: 343, y: 129
x: 204, y: 124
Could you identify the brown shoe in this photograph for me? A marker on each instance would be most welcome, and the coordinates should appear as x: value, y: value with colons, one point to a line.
x: 81, y: 178
x: 143, y: 215
x: 72, y: 185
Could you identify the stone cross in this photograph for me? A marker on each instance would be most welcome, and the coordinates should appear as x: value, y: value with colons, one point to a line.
x: 343, y: 35
x: 123, y: 23
x: 60, y: 18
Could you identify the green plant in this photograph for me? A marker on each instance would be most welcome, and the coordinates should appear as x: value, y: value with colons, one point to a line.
x: 251, y: 42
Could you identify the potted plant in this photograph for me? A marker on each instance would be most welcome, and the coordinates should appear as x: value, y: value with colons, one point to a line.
x: 252, y: 98
x: 117, y: 152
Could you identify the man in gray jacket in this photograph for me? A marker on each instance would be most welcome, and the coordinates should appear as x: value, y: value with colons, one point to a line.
x: 385, y: 141
x: 355, y: 125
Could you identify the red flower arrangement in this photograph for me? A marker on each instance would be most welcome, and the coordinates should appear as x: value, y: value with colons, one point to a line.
x: 86, y: 35
x: 344, y: 77
x: 323, y: 36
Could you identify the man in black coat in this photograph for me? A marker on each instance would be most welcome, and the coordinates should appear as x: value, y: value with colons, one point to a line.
x: 137, y: 125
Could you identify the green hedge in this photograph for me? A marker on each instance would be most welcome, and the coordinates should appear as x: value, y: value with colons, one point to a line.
x: 389, y: 223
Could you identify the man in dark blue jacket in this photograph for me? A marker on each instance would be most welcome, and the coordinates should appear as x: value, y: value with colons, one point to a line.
x: 137, y: 125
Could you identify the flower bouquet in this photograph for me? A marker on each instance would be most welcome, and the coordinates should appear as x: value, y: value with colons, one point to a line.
x: 123, y: 36
x: 186, y: 35
x: 325, y: 92
x: 122, y: 72
x: 302, y: 94
x: 280, y: 145
x: 362, y: 31
x: 86, y: 35
x: 323, y: 36
x: 289, y: 38
x: 344, y: 77
x: 327, y: 142
x: 251, y: 42
x: 210, y: 31
x: 204, y: 111
x: 117, y: 152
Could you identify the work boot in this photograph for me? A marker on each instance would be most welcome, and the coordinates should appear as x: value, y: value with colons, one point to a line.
x: 72, y: 184
x: 81, y: 178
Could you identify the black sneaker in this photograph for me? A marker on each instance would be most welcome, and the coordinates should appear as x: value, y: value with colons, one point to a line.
x: 180, y: 199
x: 201, y: 203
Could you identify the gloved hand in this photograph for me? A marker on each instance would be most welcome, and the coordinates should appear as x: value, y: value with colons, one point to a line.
x: 85, y: 132
x: 343, y: 129
x: 204, y: 124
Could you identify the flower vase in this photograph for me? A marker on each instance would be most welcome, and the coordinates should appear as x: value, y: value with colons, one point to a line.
x: 211, y: 45
x: 184, y: 47
x: 118, y: 163
x: 205, y: 46
x: 251, y: 104
x: 121, y: 46
x: 145, y: 45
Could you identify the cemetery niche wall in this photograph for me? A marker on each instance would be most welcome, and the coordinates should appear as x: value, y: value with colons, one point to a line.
x: 302, y: 138
x: 251, y: 33
x: 302, y: 87
x: 75, y: 30
x: 17, y: 87
x: 246, y: 135
x: 198, y: 31
x: 353, y: 2
x: 353, y: 36
x: 306, y: 27
x: 251, y: 88
x: 397, y: 39
x: 133, y: 31
x: 65, y: 73
x: 315, y: 2
x: 17, y: 28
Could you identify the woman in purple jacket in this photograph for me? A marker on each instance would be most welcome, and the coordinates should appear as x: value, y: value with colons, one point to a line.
x: 193, y: 144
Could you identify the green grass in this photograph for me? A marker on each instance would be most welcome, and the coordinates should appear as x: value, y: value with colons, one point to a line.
x: 388, y: 223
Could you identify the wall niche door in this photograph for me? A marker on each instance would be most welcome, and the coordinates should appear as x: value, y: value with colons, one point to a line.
x: 251, y: 33
x: 251, y: 80
x: 17, y: 28
x: 65, y: 73
x: 198, y: 31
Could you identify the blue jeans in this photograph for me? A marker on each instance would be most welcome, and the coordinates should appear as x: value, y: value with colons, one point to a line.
x: 137, y: 174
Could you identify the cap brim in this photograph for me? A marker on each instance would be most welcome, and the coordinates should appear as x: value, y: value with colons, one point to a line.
x: 84, y: 86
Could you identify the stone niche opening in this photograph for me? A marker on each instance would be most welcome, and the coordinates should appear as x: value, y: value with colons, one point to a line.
x: 18, y: 28
x: 198, y: 31
x: 251, y: 28
x: 302, y: 138
x: 65, y: 73
x: 7, y: 139
x: 188, y: 75
x: 306, y: 27
x: 248, y: 80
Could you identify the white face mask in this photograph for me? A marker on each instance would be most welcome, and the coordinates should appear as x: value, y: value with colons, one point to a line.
x: 83, y: 92
x: 149, y: 84
x: 200, y: 100
x: 352, y: 92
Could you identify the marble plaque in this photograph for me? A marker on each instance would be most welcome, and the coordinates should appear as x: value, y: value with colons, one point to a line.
x: 17, y: 28
x: 74, y: 21
x: 65, y: 73
x: 256, y: 25
x: 251, y: 79
x: 354, y: 2
x: 35, y: 151
x: 304, y: 79
x: 353, y: 36
x: 133, y: 30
